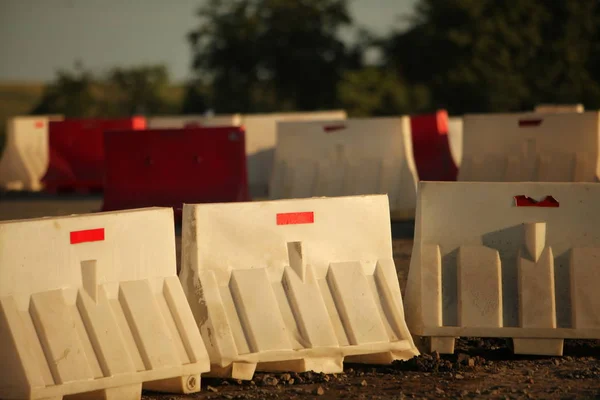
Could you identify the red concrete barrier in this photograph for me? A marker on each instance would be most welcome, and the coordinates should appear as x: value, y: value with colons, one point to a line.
x: 169, y: 167
x: 76, y: 152
x: 431, y: 147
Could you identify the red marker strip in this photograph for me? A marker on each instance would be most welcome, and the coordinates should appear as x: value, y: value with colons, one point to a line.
x: 529, y: 122
x: 39, y: 124
x: 525, y: 201
x: 296, y: 218
x: 90, y: 235
x: 333, y: 128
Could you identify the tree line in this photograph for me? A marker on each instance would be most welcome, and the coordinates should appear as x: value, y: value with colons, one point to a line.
x: 285, y: 55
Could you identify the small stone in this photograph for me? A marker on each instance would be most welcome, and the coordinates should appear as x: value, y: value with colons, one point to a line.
x: 436, y: 355
x: 463, y: 358
x: 459, y: 376
x: 439, y: 391
x: 212, y: 389
x: 239, y: 381
x: 285, y: 377
x: 270, y: 381
x: 326, y: 378
x: 471, y: 362
x: 530, y: 381
x: 363, y: 383
x: 556, y: 362
x: 320, y: 391
x: 291, y: 381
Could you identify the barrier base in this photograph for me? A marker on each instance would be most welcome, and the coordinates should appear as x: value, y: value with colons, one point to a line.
x: 526, y: 346
x: 540, y: 347
x: 182, y: 384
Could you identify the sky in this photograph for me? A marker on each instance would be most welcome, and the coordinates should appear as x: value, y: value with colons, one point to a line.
x: 37, y: 37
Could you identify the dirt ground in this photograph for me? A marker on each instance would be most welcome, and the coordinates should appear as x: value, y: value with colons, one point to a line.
x: 480, y: 368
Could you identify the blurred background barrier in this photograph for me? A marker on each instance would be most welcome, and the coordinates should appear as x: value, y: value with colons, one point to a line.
x: 431, y: 147
x: 342, y: 158
x: 534, y: 147
x: 169, y: 167
x: 24, y: 160
x: 76, y: 148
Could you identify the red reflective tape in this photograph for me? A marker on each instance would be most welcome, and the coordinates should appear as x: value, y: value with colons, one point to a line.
x: 296, y: 218
x: 529, y: 122
x: 39, y: 124
x: 525, y: 201
x: 139, y: 123
x: 89, y: 235
x: 333, y: 128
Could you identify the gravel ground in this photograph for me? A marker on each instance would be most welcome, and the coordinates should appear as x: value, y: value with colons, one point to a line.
x: 478, y: 369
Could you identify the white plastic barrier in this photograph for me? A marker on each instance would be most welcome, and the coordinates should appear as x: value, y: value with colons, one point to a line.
x: 25, y: 157
x: 357, y: 156
x: 531, y: 147
x: 559, y: 108
x: 181, y: 121
x: 92, y: 304
x: 510, y: 260
x: 294, y: 285
x: 261, y: 133
x: 455, y: 137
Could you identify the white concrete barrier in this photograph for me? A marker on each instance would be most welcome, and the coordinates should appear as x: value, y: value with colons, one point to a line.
x: 25, y: 157
x: 510, y: 260
x: 92, y: 305
x: 531, y: 147
x: 455, y: 137
x: 559, y: 108
x: 353, y: 157
x: 182, y: 121
x: 261, y: 134
x: 294, y: 285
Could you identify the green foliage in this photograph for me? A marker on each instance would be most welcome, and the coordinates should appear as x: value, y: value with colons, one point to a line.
x: 195, y: 98
x: 373, y: 91
x: 500, y: 55
x: 122, y: 92
x: 266, y: 55
x: 141, y: 90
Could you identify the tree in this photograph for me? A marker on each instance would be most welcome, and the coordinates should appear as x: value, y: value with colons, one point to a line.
x: 500, y: 55
x: 141, y: 90
x: 195, y: 98
x: 263, y: 55
x: 73, y: 94
x: 120, y: 93
x: 374, y: 91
